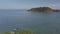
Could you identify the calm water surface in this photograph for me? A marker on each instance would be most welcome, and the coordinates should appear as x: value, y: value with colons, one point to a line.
x: 42, y: 23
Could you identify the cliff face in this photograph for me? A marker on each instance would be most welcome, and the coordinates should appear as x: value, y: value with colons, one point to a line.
x: 43, y: 9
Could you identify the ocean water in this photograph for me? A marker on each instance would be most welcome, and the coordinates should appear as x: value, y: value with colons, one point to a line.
x: 39, y: 22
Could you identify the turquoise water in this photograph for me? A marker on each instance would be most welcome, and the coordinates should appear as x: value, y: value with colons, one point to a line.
x: 41, y: 23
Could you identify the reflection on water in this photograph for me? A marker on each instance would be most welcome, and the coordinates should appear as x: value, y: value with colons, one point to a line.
x: 44, y: 23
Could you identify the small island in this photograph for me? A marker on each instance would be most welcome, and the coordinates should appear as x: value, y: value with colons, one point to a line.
x: 43, y: 9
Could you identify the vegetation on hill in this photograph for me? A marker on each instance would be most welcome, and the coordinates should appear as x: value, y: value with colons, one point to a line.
x: 43, y: 9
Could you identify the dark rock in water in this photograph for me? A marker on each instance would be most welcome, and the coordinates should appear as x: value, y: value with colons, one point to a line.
x: 43, y: 9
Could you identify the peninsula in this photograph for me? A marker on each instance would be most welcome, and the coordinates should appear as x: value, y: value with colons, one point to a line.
x: 43, y: 9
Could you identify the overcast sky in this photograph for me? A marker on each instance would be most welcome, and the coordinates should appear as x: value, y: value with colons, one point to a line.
x: 26, y: 4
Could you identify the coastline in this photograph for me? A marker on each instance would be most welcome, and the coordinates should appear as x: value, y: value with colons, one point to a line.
x: 43, y: 9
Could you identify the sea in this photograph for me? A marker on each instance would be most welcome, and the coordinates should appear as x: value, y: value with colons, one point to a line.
x: 38, y: 22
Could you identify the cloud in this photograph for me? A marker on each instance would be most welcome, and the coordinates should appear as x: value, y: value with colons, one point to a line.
x: 56, y: 6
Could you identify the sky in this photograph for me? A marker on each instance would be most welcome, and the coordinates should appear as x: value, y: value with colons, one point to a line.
x: 27, y: 4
